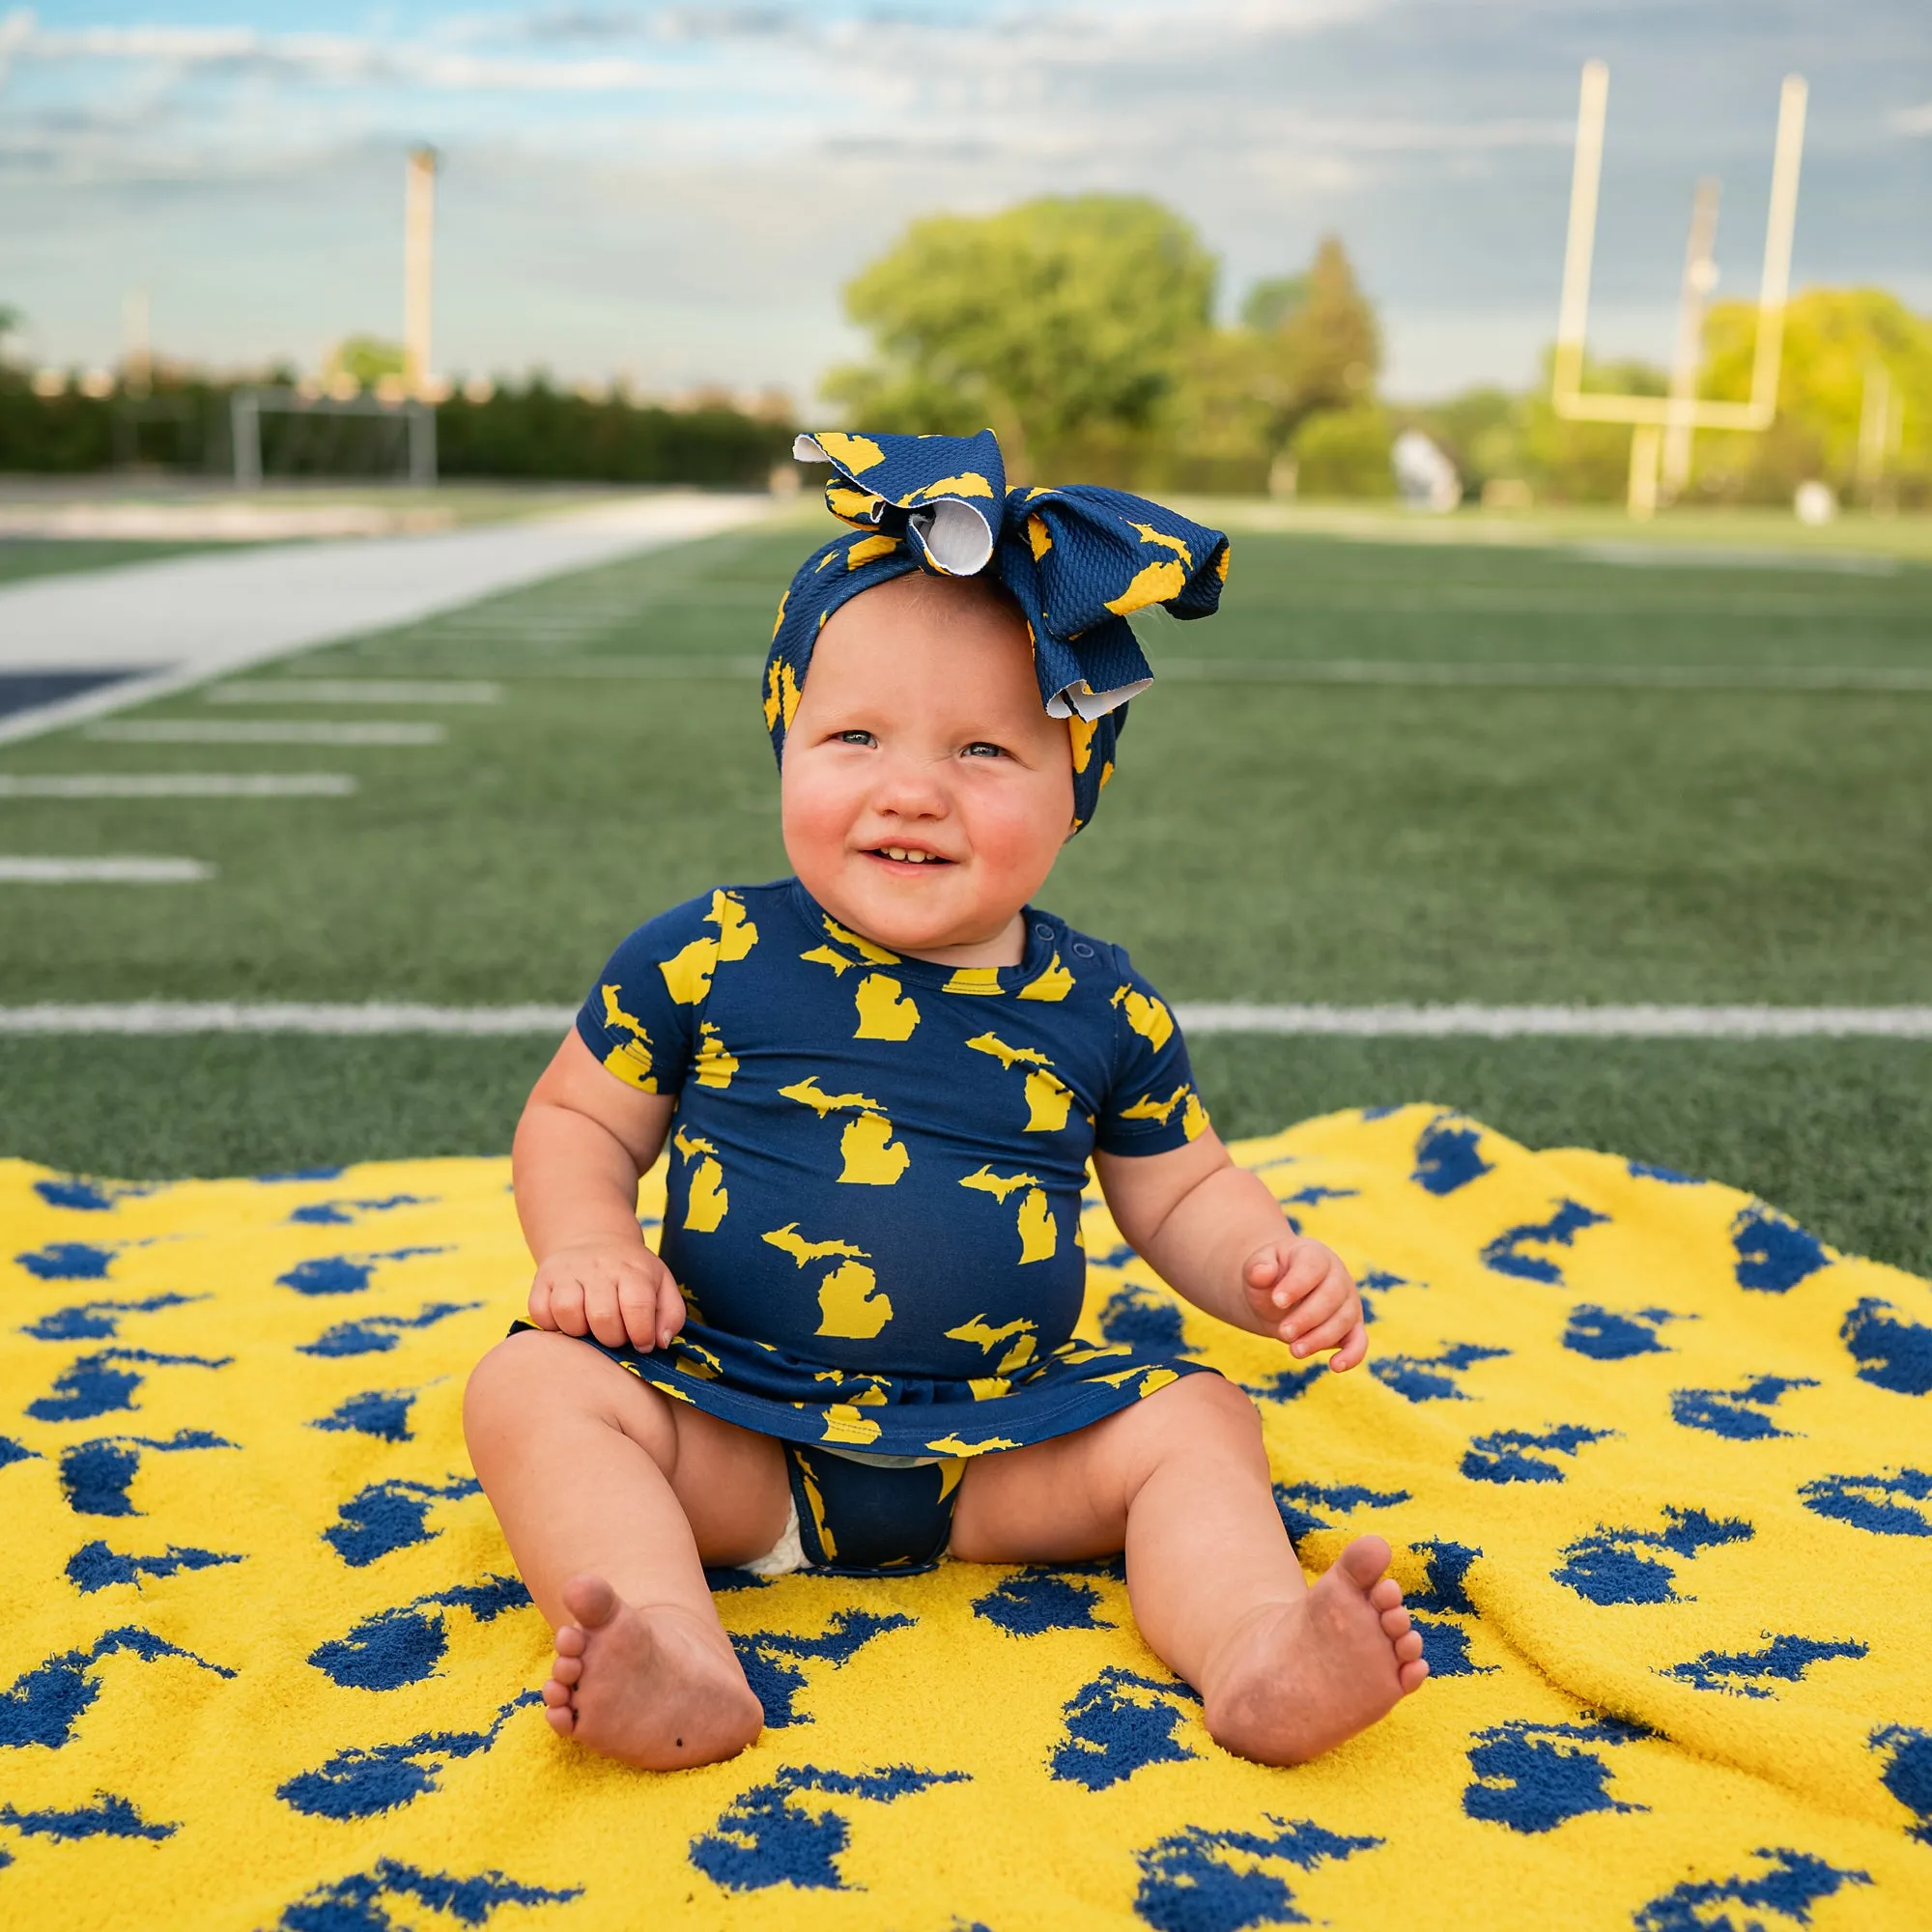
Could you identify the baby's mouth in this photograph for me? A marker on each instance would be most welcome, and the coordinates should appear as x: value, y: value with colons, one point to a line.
x: 908, y: 855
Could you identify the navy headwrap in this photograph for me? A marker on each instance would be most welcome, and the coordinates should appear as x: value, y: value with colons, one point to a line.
x: 1078, y: 561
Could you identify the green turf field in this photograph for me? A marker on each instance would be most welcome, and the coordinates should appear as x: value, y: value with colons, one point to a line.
x: 1266, y: 841
x: 22, y: 558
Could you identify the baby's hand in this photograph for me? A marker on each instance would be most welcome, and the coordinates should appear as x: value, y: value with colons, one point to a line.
x: 611, y: 1290
x: 1300, y: 1291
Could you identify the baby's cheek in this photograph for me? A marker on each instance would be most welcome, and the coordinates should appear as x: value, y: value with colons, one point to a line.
x: 1016, y: 839
x: 816, y: 816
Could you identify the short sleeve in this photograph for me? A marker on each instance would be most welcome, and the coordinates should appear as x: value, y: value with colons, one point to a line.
x: 643, y: 1017
x: 1152, y: 1106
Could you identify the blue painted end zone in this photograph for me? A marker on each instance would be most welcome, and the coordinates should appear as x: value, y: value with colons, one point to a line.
x: 33, y: 690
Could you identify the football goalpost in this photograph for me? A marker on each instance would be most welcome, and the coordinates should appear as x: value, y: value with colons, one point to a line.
x: 326, y: 436
x: 1661, y: 426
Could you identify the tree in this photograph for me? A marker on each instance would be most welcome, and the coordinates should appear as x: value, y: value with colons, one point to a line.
x: 1273, y: 302
x: 1307, y: 345
x: 1066, y: 322
x: 1324, y: 350
x: 365, y: 359
x: 1345, y: 453
x: 1835, y: 342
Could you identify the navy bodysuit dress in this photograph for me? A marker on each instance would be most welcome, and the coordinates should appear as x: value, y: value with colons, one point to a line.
x: 874, y: 1195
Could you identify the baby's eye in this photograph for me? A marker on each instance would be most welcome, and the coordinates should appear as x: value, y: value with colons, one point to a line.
x: 855, y: 738
x: 981, y: 748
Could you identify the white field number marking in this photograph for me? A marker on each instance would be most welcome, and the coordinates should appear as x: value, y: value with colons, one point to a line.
x: 178, y: 785
x: 253, y: 731
x: 36, y: 871
x: 347, y: 690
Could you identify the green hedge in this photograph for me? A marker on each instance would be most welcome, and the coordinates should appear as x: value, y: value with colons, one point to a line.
x: 539, y: 432
x: 536, y: 433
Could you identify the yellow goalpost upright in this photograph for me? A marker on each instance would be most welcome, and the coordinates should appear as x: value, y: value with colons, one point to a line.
x: 1661, y: 426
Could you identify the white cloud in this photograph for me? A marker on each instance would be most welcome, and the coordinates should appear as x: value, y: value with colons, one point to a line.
x: 1913, y: 119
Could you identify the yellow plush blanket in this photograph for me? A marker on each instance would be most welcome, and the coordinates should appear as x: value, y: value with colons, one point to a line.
x: 1657, y: 1467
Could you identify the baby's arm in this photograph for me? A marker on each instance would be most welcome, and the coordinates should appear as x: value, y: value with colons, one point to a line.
x: 583, y: 1140
x: 1215, y: 1232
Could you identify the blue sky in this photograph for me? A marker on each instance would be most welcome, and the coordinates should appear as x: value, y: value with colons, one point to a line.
x: 676, y: 193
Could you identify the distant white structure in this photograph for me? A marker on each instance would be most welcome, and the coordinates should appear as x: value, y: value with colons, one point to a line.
x: 1424, y: 476
x: 1814, y: 503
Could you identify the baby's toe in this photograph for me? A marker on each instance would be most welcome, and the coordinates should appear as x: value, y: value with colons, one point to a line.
x: 1410, y: 1676
x: 1409, y: 1648
x: 555, y: 1692
x: 562, y: 1720
x: 1386, y: 1594
x: 568, y: 1641
x: 1395, y: 1622
x: 568, y: 1669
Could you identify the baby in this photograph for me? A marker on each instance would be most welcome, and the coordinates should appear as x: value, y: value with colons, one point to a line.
x: 883, y: 1081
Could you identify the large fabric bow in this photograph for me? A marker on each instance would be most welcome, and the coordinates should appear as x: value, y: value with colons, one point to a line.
x: 1079, y: 561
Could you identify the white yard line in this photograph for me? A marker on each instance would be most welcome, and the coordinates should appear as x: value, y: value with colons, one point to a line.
x: 181, y: 621
x: 164, y: 1017
x: 178, y: 785
x: 264, y: 731
x: 357, y: 691
x: 33, y: 872
x: 1646, y: 1022
x: 1351, y: 671
x: 1622, y: 676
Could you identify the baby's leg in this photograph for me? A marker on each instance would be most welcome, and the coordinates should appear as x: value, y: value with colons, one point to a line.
x: 613, y: 1499
x: 1180, y: 1482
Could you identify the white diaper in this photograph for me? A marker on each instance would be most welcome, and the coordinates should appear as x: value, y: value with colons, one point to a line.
x: 786, y: 1555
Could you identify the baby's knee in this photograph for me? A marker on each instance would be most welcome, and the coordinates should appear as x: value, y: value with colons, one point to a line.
x: 1207, y: 1407
x: 522, y: 1368
x: 1208, y: 1411
x: 537, y: 1378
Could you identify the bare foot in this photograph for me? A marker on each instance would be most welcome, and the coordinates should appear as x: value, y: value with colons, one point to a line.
x: 1298, y: 1678
x: 647, y: 1686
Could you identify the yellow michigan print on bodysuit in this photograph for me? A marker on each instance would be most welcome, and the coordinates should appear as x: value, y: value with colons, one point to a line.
x: 1039, y: 1235
x: 823, y: 955
x: 1193, y: 1119
x: 863, y: 947
x: 1047, y: 1097
x: 850, y: 1303
x: 1148, y: 1017
x: 983, y: 1335
x: 706, y: 1201
x: 687, y: 975
x: 631, y: 1062
x: 1053, y: 984
x: 872, y: 1157
x: 714, y: 1067
x: 885, y: 1013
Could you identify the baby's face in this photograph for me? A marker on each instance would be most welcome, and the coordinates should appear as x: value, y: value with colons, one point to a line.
x: 925, y: 790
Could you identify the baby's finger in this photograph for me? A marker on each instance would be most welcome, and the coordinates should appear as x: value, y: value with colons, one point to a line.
x: 602, y: 1312
x: 566, y: 1304
x: 671, y: 1310
x: 539, y: 1303
x: 638, y: 1308
x: 1308, y: 1267
x: 1352, y: 1348
x: 1262, y: 1269
x: 1328, y: 1335
x: 1316, y: 1307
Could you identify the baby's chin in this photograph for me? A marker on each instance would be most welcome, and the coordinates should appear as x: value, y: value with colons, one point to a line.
x: 924, y: 909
